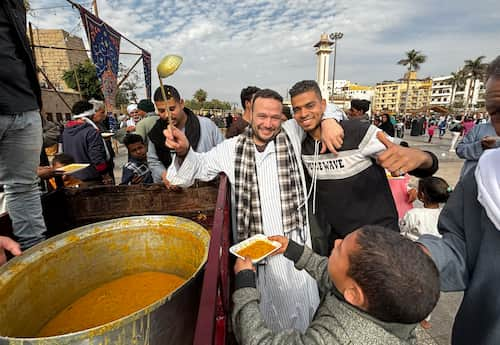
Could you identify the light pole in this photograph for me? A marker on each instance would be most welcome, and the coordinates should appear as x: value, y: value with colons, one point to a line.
x: 335, y: 36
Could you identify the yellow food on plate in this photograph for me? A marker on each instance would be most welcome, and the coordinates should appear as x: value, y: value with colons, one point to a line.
x: 112, y: 301
x: 73, y: 167
x: 256, y: 249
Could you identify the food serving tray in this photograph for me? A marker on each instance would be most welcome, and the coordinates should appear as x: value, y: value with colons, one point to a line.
x: 257, y: 247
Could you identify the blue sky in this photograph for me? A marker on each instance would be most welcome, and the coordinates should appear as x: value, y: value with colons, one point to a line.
x: 227, y: 45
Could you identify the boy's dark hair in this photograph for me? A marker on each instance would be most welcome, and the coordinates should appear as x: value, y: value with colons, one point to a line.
x: 493, y: 70
x: 400, y: 282
x: 267, y: 93
x: 404, y: 144
x: 80, y: 107
x: 63, y: 159
x: 170, y: 92
x: 305, y: 86
x: 247, y: 94
x: 360, y: 104
x: 132, y: 139
x: 435, y: 189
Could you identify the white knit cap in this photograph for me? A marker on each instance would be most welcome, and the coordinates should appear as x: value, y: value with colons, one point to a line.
x: 131, y: 107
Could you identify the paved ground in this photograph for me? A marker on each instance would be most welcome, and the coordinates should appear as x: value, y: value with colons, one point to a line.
x: 449, y: 169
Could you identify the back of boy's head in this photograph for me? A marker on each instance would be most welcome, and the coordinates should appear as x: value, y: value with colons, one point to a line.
x: 63, y: 159
x: 399, y: 281
x: 132, y: 139
x: 435, y: 189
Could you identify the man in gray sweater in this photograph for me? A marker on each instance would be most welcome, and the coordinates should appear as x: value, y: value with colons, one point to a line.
x: 376, y: 287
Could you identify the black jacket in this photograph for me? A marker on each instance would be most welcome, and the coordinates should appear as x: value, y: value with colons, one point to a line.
x: 18, y: 76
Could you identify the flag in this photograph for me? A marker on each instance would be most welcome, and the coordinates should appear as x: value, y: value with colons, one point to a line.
x: 105, y: 49
x: 146, y: 61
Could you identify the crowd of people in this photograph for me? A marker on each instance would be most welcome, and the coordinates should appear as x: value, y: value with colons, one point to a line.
x: 355, y: 265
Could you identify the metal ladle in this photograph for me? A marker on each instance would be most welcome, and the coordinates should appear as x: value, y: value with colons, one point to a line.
x: 167, y: 66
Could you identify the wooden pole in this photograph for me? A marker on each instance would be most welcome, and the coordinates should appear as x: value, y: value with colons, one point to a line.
x: 128, y: 72
x: 77, y: 49
x: 94, y: 5
x: 53, y: 87
x: 77, y: 82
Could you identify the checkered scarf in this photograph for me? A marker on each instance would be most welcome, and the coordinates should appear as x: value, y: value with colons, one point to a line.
x: 248, y: 209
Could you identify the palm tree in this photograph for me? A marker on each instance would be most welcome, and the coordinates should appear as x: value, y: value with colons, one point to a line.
x: 457, y: 80
x: 413, y: 60
x: 474, y: 69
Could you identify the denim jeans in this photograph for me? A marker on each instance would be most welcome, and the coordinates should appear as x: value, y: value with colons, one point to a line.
x: 20, y: 146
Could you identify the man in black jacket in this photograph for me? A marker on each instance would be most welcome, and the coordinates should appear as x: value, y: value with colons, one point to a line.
x: 20, y: 126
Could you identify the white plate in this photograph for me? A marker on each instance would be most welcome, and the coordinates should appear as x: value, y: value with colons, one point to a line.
x: 72, y: 168
x: 237, y: 247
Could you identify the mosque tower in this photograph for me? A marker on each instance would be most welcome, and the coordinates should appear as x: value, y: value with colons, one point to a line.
x: 323, y: 51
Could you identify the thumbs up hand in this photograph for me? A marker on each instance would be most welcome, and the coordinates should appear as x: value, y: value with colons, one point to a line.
x: 399, y: 160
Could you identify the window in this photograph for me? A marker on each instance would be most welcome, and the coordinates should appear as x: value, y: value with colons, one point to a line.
x: 59, y: 117
x: 49, y: 117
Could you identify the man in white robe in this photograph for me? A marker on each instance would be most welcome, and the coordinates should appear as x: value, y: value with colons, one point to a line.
x: 289, y: 297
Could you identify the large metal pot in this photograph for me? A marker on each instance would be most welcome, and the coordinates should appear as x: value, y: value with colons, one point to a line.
x: 51, y: 275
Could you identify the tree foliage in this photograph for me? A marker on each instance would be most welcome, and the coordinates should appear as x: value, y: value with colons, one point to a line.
x: 413, y: 60
x: 213, y: 104
x: 127, y: 93
x: 90, y: 86
x: 200, y: 95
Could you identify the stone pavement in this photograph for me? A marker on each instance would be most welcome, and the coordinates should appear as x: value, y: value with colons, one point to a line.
x: 449, y: 169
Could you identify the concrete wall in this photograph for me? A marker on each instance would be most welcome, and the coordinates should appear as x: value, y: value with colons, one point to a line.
x: 53, y: 107
x: 55, y: 62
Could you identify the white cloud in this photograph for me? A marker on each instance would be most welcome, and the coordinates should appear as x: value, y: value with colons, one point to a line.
x: 228, y: 45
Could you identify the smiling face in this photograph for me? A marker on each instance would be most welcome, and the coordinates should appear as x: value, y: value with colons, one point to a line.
x: 266, y: 119
x: 308, y: 108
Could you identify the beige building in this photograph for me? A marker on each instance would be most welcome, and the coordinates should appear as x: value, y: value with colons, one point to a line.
x: 391, y: 95
x: 323, y: 51
x: 54, y: 62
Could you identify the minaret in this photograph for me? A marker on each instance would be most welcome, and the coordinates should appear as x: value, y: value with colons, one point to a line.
x: 323, y: 51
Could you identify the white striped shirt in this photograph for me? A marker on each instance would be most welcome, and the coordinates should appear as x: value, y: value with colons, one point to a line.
x: 289, y: 297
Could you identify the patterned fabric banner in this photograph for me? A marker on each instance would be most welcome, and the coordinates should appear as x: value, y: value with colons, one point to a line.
x: 146, y: 61
x: 105, y: 48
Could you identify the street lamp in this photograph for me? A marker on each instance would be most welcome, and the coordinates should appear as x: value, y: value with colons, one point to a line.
x: 335, y: 36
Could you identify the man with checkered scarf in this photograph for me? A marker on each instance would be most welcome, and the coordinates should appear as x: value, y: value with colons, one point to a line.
x: 268, y: 196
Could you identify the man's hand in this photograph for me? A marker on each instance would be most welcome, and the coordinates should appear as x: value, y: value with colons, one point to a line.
x: 176, y: 140
x: 107, y: 179
x: 130, y: 129
x: 45, y: 172
x: 167, y: 183
x: 399, y: 160
x: 10, y: 245
x: 332, y: 135
x: 137, y: 179
x: 488, y: 143
x: 241, y: 265
x: 282, y: 240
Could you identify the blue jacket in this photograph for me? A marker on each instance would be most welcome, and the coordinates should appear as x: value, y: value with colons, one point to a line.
x: 470, y: 147
x: 84, y: 143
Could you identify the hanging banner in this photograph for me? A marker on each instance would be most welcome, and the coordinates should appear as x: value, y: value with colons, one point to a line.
x: 146, y: 61
x: 105, y: 49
